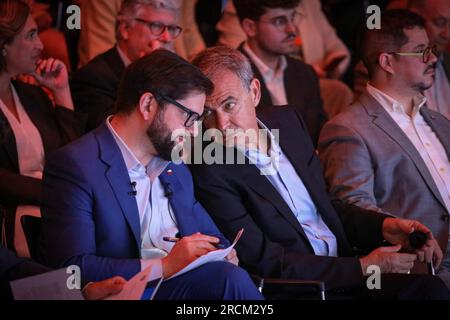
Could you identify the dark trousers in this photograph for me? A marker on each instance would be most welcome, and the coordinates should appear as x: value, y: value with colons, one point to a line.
x: 393, y: 287
x: 407, y: 287
x: 212, y: 281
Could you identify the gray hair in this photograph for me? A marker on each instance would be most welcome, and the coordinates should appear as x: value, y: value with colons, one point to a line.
x: 214, y: 60
x: 130, y: 9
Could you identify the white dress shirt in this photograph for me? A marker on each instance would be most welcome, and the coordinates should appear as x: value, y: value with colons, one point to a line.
x: 273, y: 79
x: 30, y: 152
x: 156, y: 216
x: 421, y: 136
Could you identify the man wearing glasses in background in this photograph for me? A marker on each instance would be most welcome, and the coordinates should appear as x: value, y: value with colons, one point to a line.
x: 389, y: 152
x: 113, y: 196
x: 271, y: 31
x: 142, y: 26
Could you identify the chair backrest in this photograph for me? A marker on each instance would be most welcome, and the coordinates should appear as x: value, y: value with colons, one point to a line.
x: 32, y: 228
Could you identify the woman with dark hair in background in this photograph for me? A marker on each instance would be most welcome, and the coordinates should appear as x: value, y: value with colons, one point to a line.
x: 31, y: 126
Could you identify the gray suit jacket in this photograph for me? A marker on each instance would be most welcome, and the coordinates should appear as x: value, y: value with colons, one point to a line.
x: 370, y: 162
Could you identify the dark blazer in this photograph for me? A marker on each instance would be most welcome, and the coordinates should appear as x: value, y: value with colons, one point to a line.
x: 274, y: 243
x: 56, y: 125
x: 302, y: 92
x: 90, y: 219
x: 94, y: 86
x: 446, y: 64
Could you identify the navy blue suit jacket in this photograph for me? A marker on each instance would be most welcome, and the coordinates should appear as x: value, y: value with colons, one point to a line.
x: 91, y: 220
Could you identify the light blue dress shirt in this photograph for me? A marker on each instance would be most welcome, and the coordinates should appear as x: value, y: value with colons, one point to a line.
x: 289, y: 185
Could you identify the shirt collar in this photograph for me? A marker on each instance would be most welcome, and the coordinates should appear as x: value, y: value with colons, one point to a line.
x: 126, y: 61
x: 258, y: 158
x: 131, y: 161
x: 392, y: 105
x: 265, y: 70
x: 153, y: 169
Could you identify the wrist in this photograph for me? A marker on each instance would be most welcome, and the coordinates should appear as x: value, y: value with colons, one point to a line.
x: 63, y: 98
x: 364, y: 265
x: 166, y: 269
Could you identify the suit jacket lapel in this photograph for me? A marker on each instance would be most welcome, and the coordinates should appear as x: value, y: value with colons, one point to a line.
x: 9, y: 141
x: 262, y: 186
x: 446, y: 64
x: 179, y: 200
x: 115, y: 62
x: 119, y: 180
x: 440, y: 126
x: 266, y: 99
x: 290, y: 143
x: 293, y: 88
x: 384, y: 121
x: 40, y: 118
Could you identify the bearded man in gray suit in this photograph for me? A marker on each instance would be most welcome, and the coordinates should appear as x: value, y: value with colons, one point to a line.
x: 389, y: 152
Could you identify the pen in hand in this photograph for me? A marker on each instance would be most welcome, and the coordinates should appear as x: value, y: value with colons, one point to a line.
x: 175, y: 239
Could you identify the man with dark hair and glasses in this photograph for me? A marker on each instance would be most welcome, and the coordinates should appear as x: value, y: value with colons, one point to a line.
x: 271, y: 30
x: 142, y: 26
x: 113, y: 196
x: 389, y: 152
x: 437, y: 25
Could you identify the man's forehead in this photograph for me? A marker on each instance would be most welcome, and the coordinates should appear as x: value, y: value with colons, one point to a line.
x: 416, y: 37
x: 161, y: 14
x: 437, y: 8
x: 224, y: 89
x: 276, y: 12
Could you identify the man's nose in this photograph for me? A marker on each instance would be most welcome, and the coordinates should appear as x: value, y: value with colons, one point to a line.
x: 291, y: 27
x: 222, y: 121
x: 165, y: 37
x: 446, y: 32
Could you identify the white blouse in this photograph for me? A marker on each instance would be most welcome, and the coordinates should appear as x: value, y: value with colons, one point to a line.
x: 30, y: 151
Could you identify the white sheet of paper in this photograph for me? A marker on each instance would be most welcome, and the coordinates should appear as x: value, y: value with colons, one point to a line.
x: 134, y: 288
x: 47, y: 286
x: 216, y: 255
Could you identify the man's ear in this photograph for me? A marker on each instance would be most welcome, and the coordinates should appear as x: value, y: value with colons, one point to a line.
x: 385, y: 62
x: 255, y: 91
x: 147, y: 106
x: 123, y: 30
x: 249, y: 27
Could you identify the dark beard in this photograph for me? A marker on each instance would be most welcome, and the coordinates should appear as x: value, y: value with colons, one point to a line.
x: 161, y: 138
x: 421, y: 87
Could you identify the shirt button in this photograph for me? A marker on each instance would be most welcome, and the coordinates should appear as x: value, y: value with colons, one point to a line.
x: 442, y: 169
x: 427, y: 144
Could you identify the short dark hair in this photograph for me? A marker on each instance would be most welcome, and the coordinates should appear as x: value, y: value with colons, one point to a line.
x: 161, y: 72
x: 254, y: 9
x: 13, y: 16
x: 390, y: 38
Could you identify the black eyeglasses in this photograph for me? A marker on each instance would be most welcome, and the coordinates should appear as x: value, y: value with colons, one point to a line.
x: 425, y: 54
x: 191, y: 116
x: 158, y: 28
x: 281, y: 22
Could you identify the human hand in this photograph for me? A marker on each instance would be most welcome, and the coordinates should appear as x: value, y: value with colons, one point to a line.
x: 389, y: 260
x: 186, y: 250
x: 103, y: 289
